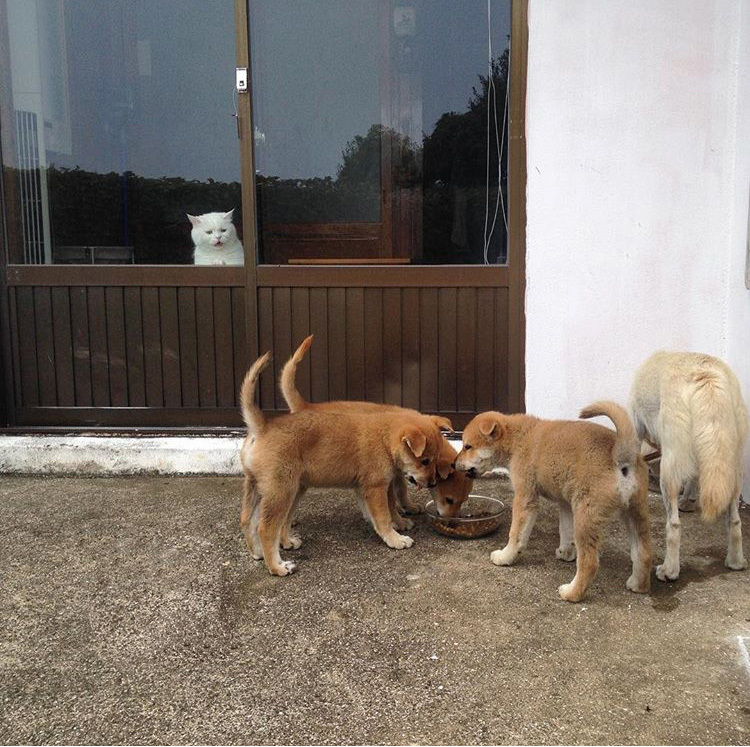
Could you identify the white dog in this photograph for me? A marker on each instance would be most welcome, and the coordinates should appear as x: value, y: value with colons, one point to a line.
x: 689, y: 405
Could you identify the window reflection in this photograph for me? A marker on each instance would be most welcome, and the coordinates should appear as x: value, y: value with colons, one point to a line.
x: 381, y: 130
x: 120, y: 128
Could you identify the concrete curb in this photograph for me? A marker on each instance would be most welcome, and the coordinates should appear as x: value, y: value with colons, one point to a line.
x: 102, y: 456
x: 109, y: 456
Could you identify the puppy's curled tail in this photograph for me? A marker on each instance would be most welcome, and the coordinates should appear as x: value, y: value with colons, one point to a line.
x: 288, y: 383
x: 627, y: 446
x: 719, y: 431
x: 251, y: 413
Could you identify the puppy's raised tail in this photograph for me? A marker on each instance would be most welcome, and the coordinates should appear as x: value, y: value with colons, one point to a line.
x: 288, y: 381
x: 251, y: 413
x: 627, y: 446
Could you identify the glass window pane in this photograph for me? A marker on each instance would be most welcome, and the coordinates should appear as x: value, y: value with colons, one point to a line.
x: 122, y: 126
x: 381, y: 130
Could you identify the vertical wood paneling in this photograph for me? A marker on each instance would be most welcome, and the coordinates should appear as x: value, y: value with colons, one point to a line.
x: 355, y: 344
x: 118, y: 376
x: 337, y: 343
x: 27, y: 351
x: 447, y: 309
x: 63, y: 346
x: 222, y: 311
x: 466, y: 331
x: 169, y: 328
x: 100, y: 364
x: 45, y: 347
x: 319, y: 351
x: 14, y: 352
x: 79, y: 321
x: 435, y: 349
x: 373, y: 341
x: 429, y: 347
x: 392, y: 359
x: 410, y: 348
x: 204, y: 322
x: 134, y: 347
x: 188, y: 347
x: 282, y: 337
x: 501, y: 350
x: 152, y: 347
x: 265, y: 343
x: 485, y: 353
x: 300, y: 330
x: 239, y: 340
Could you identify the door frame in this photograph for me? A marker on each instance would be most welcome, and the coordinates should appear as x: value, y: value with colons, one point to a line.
x: 511, y: 276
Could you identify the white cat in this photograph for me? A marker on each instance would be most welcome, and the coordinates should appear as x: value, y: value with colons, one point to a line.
x: 215, y: 240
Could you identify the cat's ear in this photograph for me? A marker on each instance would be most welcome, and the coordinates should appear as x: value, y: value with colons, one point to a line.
x: 228, y: 216
x: 194, y: 219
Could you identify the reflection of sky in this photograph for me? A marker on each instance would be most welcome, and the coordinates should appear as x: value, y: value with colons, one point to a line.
x: 150, y: 88
x: 150, y: 83
x: 316, y: 73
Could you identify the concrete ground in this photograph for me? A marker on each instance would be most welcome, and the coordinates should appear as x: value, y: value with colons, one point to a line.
x: 131, y: 613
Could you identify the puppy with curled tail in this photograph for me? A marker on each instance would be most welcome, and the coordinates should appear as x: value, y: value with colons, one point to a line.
x: 590, y: 471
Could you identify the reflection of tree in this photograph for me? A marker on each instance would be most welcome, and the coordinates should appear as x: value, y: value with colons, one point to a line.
x: 90, y: 209
x: 354, y: 195
x: 455, y: 172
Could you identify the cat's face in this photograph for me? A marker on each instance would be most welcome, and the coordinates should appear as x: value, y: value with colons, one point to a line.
x: 213, y: 229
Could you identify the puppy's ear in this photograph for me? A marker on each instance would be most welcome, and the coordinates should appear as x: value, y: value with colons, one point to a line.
x: 415, y: 440
x: 490, y: 426
x: 444, y: 468
x: 442, y: 423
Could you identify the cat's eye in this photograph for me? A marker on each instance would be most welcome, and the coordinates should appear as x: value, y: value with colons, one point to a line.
x: 467, y: 447
x: 425, y: 462
x: 209, y: 232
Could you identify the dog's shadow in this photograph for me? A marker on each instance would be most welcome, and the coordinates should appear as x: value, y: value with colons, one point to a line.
x: 664, y: 593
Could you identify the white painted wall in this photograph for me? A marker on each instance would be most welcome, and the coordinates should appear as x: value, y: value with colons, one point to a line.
x: 637, y: 192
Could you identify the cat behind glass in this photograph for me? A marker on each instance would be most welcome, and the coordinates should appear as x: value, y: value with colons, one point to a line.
x: 215, y: 240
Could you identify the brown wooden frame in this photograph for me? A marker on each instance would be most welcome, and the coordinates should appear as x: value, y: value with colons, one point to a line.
x: 362, y: 281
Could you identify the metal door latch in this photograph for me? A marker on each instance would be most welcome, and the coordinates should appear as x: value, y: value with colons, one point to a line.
x: 241, y: 79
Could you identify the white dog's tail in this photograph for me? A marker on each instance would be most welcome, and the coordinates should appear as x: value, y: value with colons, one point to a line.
x: 288, y: 382
x: 627, y: 446
x: 719, y: 428
x: 251, y: 413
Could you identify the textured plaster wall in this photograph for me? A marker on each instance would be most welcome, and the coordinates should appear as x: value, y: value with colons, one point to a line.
x: 637, y: 192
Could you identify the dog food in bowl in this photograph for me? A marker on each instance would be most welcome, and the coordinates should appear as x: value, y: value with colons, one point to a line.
x: 480, y: 515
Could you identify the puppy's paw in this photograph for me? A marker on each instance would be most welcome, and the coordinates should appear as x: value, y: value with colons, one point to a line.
x: 567, y: 553
x: 292, y: 542
x: 505, y: 556
x: 686, y: 505
x: 569, y: 593
x: 638, y: 585
x: 256, y: 555
x: 401, y: 522
x: 667, y: 573
x: 283, y: 569
x: 398, y: 541
x: 736, y: 564
x: 412, y: 508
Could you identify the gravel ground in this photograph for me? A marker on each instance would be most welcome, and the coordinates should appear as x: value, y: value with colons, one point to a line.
x: 133, y: 614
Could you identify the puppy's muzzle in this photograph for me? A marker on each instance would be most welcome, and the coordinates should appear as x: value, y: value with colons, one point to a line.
x: 472, y: 473
x: 432, y: 483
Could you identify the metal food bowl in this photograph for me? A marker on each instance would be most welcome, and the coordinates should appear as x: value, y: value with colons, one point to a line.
x: 481, y: 516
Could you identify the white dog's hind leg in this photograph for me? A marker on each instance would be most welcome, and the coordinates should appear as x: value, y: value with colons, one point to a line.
x: 567, y: 549
x: 669, y: 570
x: 735, y: 558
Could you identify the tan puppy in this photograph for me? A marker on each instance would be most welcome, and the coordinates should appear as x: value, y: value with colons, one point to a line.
x: 453, y: 487
x: 282, y: 457
x: 588, y: 469
x: 690, y: 406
